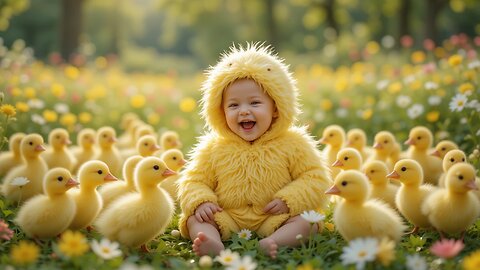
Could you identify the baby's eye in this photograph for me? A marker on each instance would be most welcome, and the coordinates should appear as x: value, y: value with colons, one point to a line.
x: 232, y: 105
x: 255, y: 102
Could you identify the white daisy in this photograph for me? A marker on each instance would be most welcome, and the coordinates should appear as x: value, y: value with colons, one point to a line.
x: 61, y: 108
x: 403, y: 101
x: 132, y: 266
x: 312, y: 216
x: 175, y: 233
x: 416, y: 262
x: 106, y: 249
x: 245, y: 263
x: 245, y: 234
x: 388, y: 42
x: 36, y: 103
x: 415, y: 111
x: 434, y: 100
x: 19, y: 181
x: 409, y: 79
x: 474, y: 104
x: 359, y: 252
x: 474, y: 64
x: 341, y: 113
x: 381, y: 85
x: 227, y: 257
x: 36, y: 118
x: 431, y: 85
x: 458, y: 102
x: 205, y: 261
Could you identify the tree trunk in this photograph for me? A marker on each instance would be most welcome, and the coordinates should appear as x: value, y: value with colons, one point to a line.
x: 404, y: 20
x: 70, y: 27
x: 433, y: 10
x: 329, y: 6
x: 115, y: 28
x: 271, y: 25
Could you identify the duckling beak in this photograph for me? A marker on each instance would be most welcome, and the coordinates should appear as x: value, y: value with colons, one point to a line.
x: 40, y: 148
x: 409, y: 142
x: 168, y: 172
x: 337, y: 163
x: 377, y: 146
x: 435, y: 154
x: 182, y: 162
x: 471, y: 185
x: 333, y: 190
x: 348, y: 143
x: 322, y: 141
x: 67, y: 142
x: 394, y: 175
x: 155, y: 147
x: 71, y: 183
x: 109, y: 177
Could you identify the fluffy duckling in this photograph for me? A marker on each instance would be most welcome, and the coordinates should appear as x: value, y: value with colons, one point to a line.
x: 146, y: 146
x: 454, y: 209
x: 57, y: 154
x: 412, y: 193
x: 106, y: 138
x: 451, y: 158
x: 357, y: 138
x: 91, y: 174
x: 114, y: 190
x: 420, y: 140
x: 86, y: 149
x: 174, y: 160
x: 126, y: 125
x: 12, y: 158
x: 376, y: 172
x: 355, y: 216
x: 48, y: 215
x: 334, y: 137
x: 34, y: 169
x: 136, y: 218
x: 443, y: 147
x: 383, y: 146
x: 348, y: 159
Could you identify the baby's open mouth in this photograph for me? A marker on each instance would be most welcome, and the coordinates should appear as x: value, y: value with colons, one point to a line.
x: 247, y: 124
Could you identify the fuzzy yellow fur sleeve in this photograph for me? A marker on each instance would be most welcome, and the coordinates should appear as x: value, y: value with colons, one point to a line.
x: 310, y: 174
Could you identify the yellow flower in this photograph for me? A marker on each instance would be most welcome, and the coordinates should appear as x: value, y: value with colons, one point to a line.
x: 472, y: 261
x: 448, y: 79
x: 71, y: 72
x: 50, y: 116
x: 73, y: 244
x: 22, y: 106
x: 138, y: 101
x: 341, y: 85
x: 330, y: 226
x: 30, y: 92
x: 24, y: 253
x: 415, y: 85
x: 188, y: 104
x: 433, y: 116
x: 418, y: 57
x: 386, y: 251
x: 372, y: 47
x: 441, y: 92
x: 58, y: 90
x: 304, y: 267
x: 8, y: 110
x: 153, y: 119
x: 466, y: 87
x: 455, y: 60
x: 439, y: 52
x: 16, y: 92
x: 326, y: 104
x: 101, y: 62
x: 395, y: 87
x: 367, y: 114
x: 370, y: 100
x: 469, y: 75
x: 68, y: 119
x: 85, y: 117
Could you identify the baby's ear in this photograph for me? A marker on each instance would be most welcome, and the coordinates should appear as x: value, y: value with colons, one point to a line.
x: 275, y: 112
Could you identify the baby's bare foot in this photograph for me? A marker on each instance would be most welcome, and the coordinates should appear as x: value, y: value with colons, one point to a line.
x: 203, y: 245
x: 269, y: 246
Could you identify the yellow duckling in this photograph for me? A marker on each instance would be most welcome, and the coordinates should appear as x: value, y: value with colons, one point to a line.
x: 451, y: 158
x: 412, y: 193
x: 174, y: 160
x: 355, y: 216
x: 454, y: 209
x: 12, y: 158
x: 348, y: 159
x: 376, y: 172
x: 169, y: 140
x: 357, y: 138
x: 106, y: 138
x: 420, y: 140
x: 146, y: 146
x: 48, y: 215
x: 443, y: 147
x: 136, y: 218
x: 34, y: 169
x: 91, y: 174
x: 57, y: 154
x: 126, y: 125
x: 86, y: 149
x: 334, y: 137
x: 383, y: 146
x: 114, y: 190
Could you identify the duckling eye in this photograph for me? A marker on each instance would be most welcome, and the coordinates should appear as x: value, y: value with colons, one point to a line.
x: 463, y: 159
x: 344, y: 183
x: 443, y: 149
x: 31, y: 143
x: 104, y: 135
x: 385, y: 141
x: 345, y: 158
x: 372, y: 171
x: 419, y: 138
x: 460, y: 177
x: 146, y: 144
x: 156, y: 167
x: 452, y: 160
x: 330, y: 135
x: 58, y: 136
x: 99, y: 172
x: 174, y: 158
x: 403, y: 169
x: 60, y: 178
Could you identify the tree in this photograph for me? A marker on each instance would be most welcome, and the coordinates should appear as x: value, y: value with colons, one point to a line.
x: 71, y: 20
x: 404, y: 19
x: 433, y: 9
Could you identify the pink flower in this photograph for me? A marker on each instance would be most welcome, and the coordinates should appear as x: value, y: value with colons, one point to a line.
x: 5, y: 232
x: 406, y: 41
x: 429, y: 44
x: 447, y: 248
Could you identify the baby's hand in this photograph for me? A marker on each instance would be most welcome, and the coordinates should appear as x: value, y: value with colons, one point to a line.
x: 204, y: 212
x: 276, y: 207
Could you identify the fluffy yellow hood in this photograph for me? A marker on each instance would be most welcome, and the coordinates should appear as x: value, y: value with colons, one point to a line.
x: 267, y: 69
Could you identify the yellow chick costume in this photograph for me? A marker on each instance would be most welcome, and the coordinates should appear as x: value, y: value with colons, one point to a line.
x: 243, y: 177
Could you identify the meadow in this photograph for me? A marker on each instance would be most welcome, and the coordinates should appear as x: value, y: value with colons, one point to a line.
x: 435, y: 86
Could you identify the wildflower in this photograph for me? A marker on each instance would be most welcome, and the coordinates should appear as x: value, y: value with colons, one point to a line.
x: 205, y: 261
x: 106, y: 249
x: 326, y: 104
x: 330, y: 226
x: 24, y: 253
x: 58, y: 90
x: 71, y: 72
x: 472, y: 261
x: 341, y: 113
x: 474, y: 104
x: 403, y: 101
x: 474, y: 64
x: 188, y: 104
x: 50, y: 116
x: 19, y: 181
x: 433, y: 116
x: 68, y: 119
x: 61, y: 108
x: 431, y: 85
x: 381, y: 85
x: 466, y: 88
x: 175, y: 233
x: 415, y: 111
x: 8, y: 110
x: 36, y: 103
x: 30, y: 92
x: 360, y: 251
x: 22, y: 106
x: 386, y: 251
x: 367, y: 114
x: 388, y: 42
x: 395, y: 87
x: 245, y: 263
x: 299, y: 237
x: 5, y: 232
x: 418, y: 57
x: 36, y: 118
x: 137, y: 101
x: 416, y: 262
x: 312, y: 216
x: 132, y: 266
x: 434, y: 100
x: 455, y: 60
x: 227, y: 257
x: 153, y: 118
x: 304, y: 267
x: 458, y: 102
x: 245, y: 234
x: 73, y: 244
x: 447, y: 248
x: 85, y: 117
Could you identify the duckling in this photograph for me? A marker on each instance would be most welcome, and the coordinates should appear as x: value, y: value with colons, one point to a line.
x: 443, y: 147
x: 454, y: 209
x: 420, y: 140
x: 412, y: 193
x: 169, y: 140
x: 146, y: 146
x: 136, y: 218
x: 348, y: 159
x: 334, y: 137
x: 376, y: 172
x: 114, y: 190
x: 34, y: 169
x: 48, y: 215
x: 126, y: 125
x: 356, y: 138
x: 452, y: 157
x: 57, y: 154
x: 174, y: 160
x: 91, y: 174
x: 86, y: 150
x: 355, y: 216
x: 384, y: 145
x: 106, y: 138
x: 12, y: 158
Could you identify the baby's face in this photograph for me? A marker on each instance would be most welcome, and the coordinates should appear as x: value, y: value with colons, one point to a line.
x: 249, y: 111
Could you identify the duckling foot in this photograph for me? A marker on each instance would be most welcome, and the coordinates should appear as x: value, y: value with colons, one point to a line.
x: 89, y: 228
x: 204, y: 245
x: 144, y: 248
x: 269, y: 247
x: 415, y: 230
